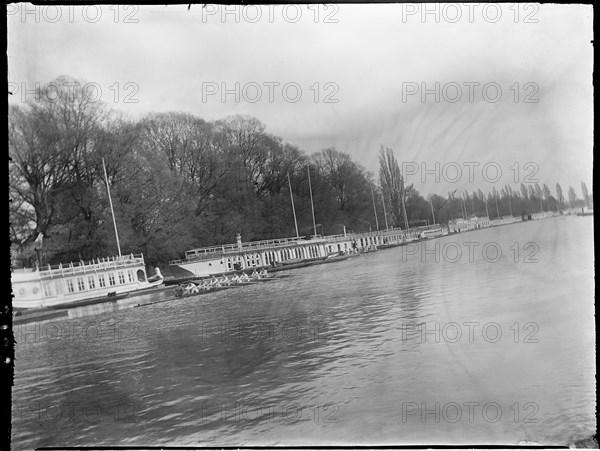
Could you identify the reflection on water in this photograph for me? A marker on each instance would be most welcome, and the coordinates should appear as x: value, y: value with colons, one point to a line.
x: 402, y: 346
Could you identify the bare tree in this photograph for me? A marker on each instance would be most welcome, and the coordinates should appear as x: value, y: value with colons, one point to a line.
x: 559, y: 195
x: 392, y: 183
x: 585, y: 194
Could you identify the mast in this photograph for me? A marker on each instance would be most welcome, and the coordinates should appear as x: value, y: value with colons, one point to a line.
x: 111, y: 206
x: 486, y: 209
x: 497, y: 212
x: 432, y: 213
x: 374, y: 209
x: 312, y: 205
x: 293, y: 209
x: 404, y: 209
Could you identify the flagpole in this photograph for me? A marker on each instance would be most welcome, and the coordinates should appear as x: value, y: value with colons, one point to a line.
x: 111, y: 206
x: 293, y: 209
x: 312, y: 205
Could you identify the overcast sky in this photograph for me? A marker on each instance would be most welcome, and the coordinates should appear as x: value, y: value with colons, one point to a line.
x: 374, y: 60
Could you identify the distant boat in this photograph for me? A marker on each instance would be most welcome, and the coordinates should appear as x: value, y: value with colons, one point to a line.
x: 434, y: 231
x: 301, y: 261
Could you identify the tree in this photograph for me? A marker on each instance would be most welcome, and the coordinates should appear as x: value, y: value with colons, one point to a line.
x: 392, y: 184
x: 559, y: 195
x: 585, y: 194
x: 53, y: 151
x: 244, y: 139
x: 572, y: 197
x: 349, y: 184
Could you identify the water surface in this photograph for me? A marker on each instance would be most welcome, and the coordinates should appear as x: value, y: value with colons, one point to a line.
x: 403, y: 346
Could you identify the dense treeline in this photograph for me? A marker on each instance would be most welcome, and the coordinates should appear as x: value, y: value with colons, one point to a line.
x: 178, y: 182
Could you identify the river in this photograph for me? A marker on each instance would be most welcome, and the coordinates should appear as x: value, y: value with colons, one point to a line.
x: 487, y: 338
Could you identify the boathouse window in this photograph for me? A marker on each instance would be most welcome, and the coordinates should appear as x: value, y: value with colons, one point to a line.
x: 48, y: 289
x: 70, y: 286
x: 121, y: 277
x: 80, y: 284
x: 59, y: 287
x: 111, y: 279
x: 101, y: 281
x: 141, y: 276
x: 91, y: 282
x: 130, y: 275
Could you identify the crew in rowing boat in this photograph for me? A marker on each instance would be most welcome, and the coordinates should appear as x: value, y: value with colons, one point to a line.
x: 190, y: 288
x: 203, y: 285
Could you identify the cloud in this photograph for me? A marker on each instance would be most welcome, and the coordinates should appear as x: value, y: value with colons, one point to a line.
x: 352, y: 65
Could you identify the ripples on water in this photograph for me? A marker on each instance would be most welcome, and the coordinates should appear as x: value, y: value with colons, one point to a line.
x: 333, y: 355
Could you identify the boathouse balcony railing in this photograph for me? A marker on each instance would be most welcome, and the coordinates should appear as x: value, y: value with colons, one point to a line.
x: 214, y: 252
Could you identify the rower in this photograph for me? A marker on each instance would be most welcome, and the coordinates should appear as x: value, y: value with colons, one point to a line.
x: 263, y: 274
x: 244, y: 277
x: 236, y: 279
x: 215, y: 282
x: 255, y: 274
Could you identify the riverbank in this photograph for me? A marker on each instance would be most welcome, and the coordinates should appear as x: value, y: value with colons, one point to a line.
x: 135, y: 299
